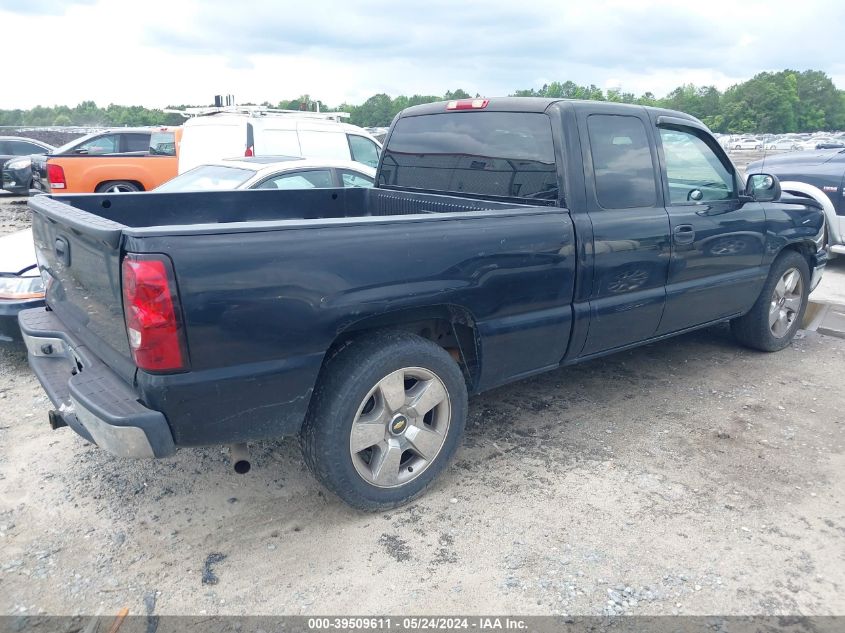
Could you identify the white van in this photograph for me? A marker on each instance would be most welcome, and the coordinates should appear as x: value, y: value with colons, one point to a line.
x: 261, y: 132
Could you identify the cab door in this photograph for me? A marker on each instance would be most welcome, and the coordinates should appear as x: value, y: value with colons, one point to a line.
x: 630, y: 225
x: 717, y: 239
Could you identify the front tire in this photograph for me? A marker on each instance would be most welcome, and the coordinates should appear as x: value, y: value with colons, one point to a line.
x: 779, y: 310
x: 385, y: 419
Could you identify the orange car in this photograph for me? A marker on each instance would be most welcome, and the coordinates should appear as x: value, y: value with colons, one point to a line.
x: 118, y: 160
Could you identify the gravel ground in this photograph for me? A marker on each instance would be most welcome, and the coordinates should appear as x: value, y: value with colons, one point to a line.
x: 14, y: 215
x: 689, y: 476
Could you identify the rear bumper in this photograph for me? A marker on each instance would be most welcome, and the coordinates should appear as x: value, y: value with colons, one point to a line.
x: 88, y: 396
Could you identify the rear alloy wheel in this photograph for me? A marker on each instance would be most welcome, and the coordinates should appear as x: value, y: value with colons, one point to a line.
x: 118, y: 186
x: 779, y: 310
x: 386, y: 417
x: 400, y: 427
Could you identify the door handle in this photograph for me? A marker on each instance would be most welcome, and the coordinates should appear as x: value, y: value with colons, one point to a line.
x: 683, y: 234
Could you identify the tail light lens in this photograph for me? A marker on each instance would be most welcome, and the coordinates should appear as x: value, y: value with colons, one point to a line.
x: 152, y: 313
x: 250, y: 140
x: 56, y: 176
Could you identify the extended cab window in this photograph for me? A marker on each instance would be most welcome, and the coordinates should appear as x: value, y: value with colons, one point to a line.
x: 693, y: 170
x: 137, y: 142
x: 622, y: 162
x: 505, y: 154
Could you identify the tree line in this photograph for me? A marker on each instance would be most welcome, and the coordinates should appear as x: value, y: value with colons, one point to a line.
x: 770, y: 102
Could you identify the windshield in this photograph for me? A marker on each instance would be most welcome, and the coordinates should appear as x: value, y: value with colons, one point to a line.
x: 487, y: 153
x: 208, y: 178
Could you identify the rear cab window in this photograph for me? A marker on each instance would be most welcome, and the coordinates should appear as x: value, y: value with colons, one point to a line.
x: 496, y: 154
x: 162, y: 144
x: 136, y: 143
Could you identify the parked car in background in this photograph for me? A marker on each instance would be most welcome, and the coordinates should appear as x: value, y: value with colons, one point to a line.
x: 807, y: 144
x: 16, y: 175
x: 14, y: 146
x: 747, y: 143
x: 21, y: 286
x: 830, y: 143
x: 15, y: 162
x: 272, y: 172
x: 782, y: 143
x: 228, y: 132
x: 119, y: 160
x: 822, y: 172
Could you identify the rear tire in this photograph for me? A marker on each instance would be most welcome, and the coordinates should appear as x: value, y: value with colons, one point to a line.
x: 118, y: 186
x: 779, y: 310
x: 385, y: 419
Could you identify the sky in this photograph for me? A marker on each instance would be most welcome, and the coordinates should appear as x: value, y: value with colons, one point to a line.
x: 166, y: 52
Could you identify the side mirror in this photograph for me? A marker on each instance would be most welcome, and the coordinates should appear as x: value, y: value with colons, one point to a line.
x: 763, y: 187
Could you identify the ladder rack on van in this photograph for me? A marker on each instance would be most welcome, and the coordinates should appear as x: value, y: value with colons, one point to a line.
x: 258, y: 111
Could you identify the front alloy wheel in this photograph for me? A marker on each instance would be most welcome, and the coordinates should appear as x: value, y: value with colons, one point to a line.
x: 787, y: 299
x: 777, y: 313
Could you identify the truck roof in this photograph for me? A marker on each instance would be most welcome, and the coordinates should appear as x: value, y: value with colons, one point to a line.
x: 541, y: 104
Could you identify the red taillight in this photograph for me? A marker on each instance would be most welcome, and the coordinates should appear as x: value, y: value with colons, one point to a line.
x: 56, y: 176
x: 468, y: 104
x: 248, y: 152
x: 151, y: 310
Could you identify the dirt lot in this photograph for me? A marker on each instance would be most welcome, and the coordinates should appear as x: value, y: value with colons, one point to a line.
x: 690, y: 476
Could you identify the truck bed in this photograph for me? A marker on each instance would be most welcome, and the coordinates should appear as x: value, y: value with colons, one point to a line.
x: 162, y: 211
x: 267, y: 280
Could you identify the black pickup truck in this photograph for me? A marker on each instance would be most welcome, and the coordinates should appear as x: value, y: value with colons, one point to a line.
x: 504, y: 237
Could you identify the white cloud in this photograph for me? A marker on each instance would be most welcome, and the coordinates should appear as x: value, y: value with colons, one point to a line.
x: 163, y: 52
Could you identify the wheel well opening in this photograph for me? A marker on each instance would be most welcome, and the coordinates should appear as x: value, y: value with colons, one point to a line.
x: 805, y: 250
x: 113, y: 180
x: 453, y: 329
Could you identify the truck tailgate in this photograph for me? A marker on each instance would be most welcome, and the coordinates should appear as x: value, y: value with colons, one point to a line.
x: 80, y: 254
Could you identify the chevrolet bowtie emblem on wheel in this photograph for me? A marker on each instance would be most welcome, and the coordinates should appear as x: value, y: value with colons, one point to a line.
x: 399, y: 424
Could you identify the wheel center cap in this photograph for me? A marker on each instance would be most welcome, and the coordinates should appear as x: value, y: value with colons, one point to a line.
x: 398, y: 424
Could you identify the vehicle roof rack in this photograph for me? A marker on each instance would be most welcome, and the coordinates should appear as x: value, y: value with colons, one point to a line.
x: 258, y: 111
